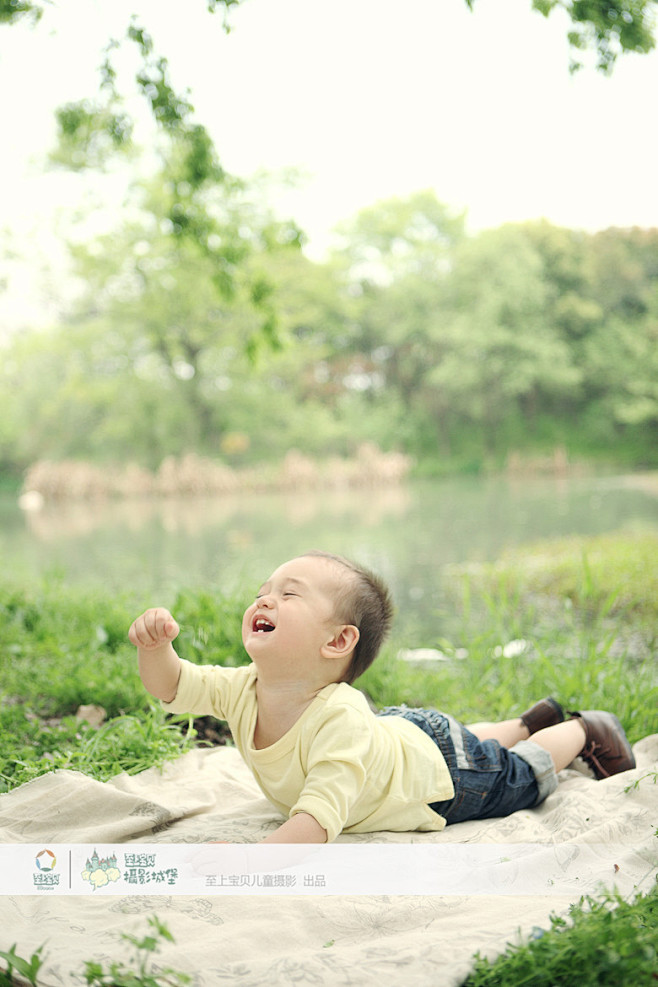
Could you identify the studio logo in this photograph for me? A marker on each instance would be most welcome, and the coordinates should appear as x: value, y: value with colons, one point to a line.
x: 100, y: 871
x: 45, y: 863
x: 46, y: 860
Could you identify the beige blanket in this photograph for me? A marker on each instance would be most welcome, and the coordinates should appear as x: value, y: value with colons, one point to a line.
x: 315, y: 939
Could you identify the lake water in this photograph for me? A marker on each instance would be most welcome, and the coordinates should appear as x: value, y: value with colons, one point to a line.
x: 409, y: 534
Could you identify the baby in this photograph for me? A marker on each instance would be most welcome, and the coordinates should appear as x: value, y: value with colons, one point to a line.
x: 321, y: 756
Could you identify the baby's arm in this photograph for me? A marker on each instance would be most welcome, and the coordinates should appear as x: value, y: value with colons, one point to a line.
x: 159, y: 665
x: 300, y: 828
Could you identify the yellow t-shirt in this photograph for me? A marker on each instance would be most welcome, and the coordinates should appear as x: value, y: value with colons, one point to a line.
x: 349, y: 769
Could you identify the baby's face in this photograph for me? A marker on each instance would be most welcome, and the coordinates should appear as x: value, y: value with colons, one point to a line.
x: 294, y: 611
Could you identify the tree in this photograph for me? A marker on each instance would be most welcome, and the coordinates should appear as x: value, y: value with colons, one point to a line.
x: 622, y: 274
x: 397, y: 255
x: 397, y: 237
x: 151, y: 364
x: 518, y: 338
x: 183, y: 314
x: 606, y: 27
x: 93, y: 131
x: 463, y: 330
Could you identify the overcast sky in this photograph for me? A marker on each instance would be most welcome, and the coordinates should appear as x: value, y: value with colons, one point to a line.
x: 369, y: 98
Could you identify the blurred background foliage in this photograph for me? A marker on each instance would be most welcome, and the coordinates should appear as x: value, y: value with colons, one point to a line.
x: 455, y: 349
x: 201, y: 326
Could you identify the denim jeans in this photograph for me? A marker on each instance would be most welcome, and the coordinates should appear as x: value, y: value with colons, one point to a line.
x: 489, y: 779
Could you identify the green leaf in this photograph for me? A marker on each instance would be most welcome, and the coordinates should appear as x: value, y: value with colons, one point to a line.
x: 26, y: 968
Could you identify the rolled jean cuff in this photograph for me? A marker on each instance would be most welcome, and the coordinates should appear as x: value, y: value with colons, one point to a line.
x: 541, y: 764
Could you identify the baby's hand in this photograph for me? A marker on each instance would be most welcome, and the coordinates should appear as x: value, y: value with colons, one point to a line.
x: 153, y: 629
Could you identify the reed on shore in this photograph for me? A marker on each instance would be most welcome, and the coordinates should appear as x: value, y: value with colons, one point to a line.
x: 195, y: 476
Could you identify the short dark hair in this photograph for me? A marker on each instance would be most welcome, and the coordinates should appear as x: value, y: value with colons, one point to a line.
x: 365, y: 601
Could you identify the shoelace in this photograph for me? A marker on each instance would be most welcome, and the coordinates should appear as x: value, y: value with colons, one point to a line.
x: 589, y: 754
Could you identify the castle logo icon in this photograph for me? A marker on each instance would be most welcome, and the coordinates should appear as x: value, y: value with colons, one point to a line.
x: 100, y: 871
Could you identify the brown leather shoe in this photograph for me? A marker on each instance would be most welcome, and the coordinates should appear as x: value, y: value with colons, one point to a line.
x: 606, y: 750
x: 546, y: 713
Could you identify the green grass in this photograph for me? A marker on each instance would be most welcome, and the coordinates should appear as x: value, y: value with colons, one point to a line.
x: 606, y: 942
x: 140, y: 971
x: 65, y: 649
x: 31, y: 746
x: 587, y: 614
x: 607, y: 575
x: 586, y: 610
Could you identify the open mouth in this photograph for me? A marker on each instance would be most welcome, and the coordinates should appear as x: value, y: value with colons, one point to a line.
x: 262, y: 625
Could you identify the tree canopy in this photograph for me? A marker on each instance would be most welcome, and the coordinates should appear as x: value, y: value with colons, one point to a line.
x: 458, y: 350
x: 96, y: 126
x: 606, y: 27
x: 414, y: 335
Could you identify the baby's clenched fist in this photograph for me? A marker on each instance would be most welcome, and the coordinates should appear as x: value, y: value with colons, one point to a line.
x: 154, y: 628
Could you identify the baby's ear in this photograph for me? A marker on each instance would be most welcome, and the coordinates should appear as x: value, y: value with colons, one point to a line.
x: 343, y: 643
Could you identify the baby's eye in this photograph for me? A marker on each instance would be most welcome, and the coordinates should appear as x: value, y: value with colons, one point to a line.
x: 288, y: 593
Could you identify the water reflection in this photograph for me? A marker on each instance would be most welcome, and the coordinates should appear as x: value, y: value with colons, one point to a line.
x: 193, y: 516
x: 409, y: 534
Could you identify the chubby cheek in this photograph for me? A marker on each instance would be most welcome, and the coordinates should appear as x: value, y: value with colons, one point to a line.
x: 246, y: 622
